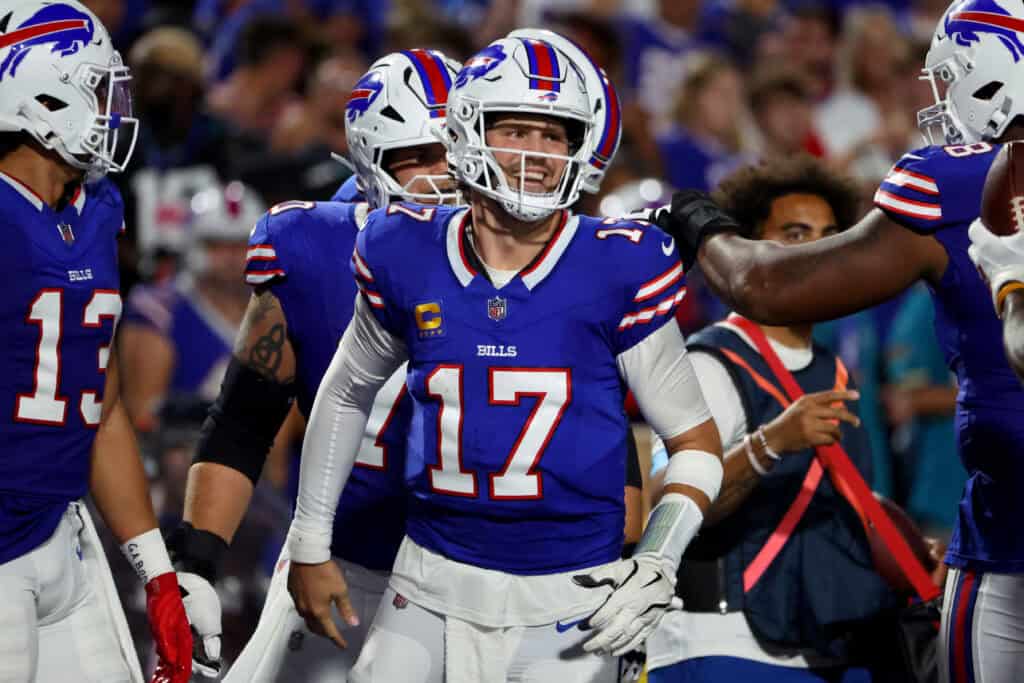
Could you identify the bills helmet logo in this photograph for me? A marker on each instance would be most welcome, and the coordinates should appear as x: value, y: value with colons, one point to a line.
x: 965, y: 21
x: 61, y: 27
x: 367, y: 90
x: 548, y: 97
x: 480, y: 64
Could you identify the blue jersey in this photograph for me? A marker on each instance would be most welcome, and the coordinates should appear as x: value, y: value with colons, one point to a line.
x: 202, y: 339
x: 937, y: 191
x: 301, y: 250
x: 58, y: 313
x: 517, y: 450
x: 349, y: 192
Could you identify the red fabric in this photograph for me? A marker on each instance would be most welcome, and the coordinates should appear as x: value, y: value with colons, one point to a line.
x: 844, y: 474
x: 170, y: 628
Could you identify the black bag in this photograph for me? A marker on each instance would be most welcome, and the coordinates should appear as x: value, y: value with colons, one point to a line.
x: 918, y: 627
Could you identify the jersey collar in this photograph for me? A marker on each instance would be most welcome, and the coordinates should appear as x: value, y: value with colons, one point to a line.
x: 77, y: 200
x: 24, y: 190
x: 465, y: 265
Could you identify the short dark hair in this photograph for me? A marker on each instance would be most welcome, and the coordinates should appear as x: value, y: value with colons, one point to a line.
x: 263, y: 36
x: 10, y: 141
x: 748, y: 193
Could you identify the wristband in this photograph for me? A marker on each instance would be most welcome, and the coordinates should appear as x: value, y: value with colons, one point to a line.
x: 671, y: 526
x: 1003, y: 292
x: 758, y: 467
x: 764, y: 444
x: 148, y: 555
x: 308, y: 546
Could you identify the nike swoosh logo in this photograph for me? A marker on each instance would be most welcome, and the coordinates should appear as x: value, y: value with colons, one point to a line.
x: 562, y: 628
x: 668, y: 249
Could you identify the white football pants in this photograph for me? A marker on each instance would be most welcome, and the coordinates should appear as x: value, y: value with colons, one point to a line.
x: 982, y: 639
x: 283, y: 650
x: 409, y: 644
x: 60, y: 617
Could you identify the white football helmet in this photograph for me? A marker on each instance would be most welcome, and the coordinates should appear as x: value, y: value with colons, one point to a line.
x: 63, y: 83
x: 225, y: 214
x: 976, y: 69
x: 518, y: 75
x: 604, y: 105
x: 398, y: 103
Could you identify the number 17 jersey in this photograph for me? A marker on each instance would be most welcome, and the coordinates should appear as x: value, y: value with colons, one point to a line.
x: 516, y: 452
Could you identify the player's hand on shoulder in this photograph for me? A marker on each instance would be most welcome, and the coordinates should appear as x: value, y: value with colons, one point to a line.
x: 314, y: 588
x: 642, y: 590
x: 812, y: 420
x: 1000, y: 260
x: 692, y: 217
x: 170, y: 629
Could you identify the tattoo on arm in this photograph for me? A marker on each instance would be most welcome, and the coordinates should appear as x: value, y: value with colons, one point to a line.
x: 265, y: 356
x: 739, y: 481
x: 263, y: 343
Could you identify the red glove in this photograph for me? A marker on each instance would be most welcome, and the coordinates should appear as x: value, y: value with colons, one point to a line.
x: 170, y: 629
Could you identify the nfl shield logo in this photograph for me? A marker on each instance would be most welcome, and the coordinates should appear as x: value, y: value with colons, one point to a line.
x: 497, y: 309
x: 66, y: 233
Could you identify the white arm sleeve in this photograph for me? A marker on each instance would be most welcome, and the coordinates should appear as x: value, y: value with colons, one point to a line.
x: 723, y: 401
x: 658, y: 372
x: 365, y: 359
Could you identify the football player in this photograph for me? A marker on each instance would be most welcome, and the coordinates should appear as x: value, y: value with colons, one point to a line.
x: 301, y: 303
x: 919, y: 230
x: 522, y: 325
x: 65, y: 122
x: 176, y: 337
x: 1001, y: 261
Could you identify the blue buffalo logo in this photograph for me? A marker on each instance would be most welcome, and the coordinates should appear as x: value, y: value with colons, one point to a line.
x: 63, y: 28
x: 965, y: 21
x: 363, y: 95
x: 480, y: 64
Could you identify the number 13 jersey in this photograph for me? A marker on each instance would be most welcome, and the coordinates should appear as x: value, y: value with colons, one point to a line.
x: 516, y: 453
x: 58, y: 311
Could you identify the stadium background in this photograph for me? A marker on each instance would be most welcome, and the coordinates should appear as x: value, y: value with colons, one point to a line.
x: 254, y: 91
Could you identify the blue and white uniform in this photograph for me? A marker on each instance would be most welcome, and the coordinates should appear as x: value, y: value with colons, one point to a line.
x: 300, y: 252
x: 516, y: 452
x: 937, y: 191
x: 59, y: 616
x: 200, y: 336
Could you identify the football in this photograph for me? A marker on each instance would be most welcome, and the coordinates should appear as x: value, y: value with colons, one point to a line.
x: 1002, y: 201
x: 885, y: 563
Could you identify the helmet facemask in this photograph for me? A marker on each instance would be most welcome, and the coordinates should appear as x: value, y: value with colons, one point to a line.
x: 938, y: 123
x: 479, y: 168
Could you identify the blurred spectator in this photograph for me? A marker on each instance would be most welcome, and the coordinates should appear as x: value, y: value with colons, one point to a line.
x: 739, y: 27
x: 704, y: 146
x: 921, y: 401
x: 181, y: 149
x: 807, y: 43
x: 123, y: 18
x: 781, y: 106
x: 655, y: 51
x: 271, y: 56
x: 319, y: 119
x: 176, y: 338
x: 866, y: 121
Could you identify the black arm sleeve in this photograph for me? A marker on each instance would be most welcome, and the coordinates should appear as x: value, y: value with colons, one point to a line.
x: 634, y: 477
x: 242, y: 423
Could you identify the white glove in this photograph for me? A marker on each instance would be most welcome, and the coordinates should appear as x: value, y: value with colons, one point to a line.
x: 202, y: 606
x: 1001, y: 259
x: 642, y: 590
